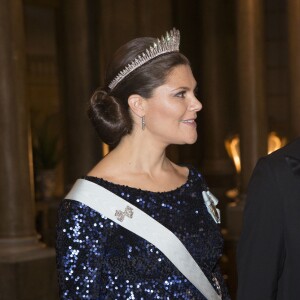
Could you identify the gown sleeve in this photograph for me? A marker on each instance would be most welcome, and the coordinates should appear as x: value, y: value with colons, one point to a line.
x: 80, y: 248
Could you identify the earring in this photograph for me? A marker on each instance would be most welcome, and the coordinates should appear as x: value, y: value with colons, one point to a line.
x: 143, y: 123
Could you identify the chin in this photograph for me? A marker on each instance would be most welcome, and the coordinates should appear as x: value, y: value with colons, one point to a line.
x: 192, y: 140
x: 189, y: 141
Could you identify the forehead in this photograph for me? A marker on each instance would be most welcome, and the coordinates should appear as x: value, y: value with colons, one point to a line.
x: 181, y: 76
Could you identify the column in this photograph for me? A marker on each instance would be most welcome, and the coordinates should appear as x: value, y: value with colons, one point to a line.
x: 252, y: 111
x: 77, y: 48
x: 294, y: 65
x: 22, y: 258
x: 216, y: 106
x: 16, y: 204
x: 251, y: 99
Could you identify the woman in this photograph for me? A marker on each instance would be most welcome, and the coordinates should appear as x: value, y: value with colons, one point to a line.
x: 137, y: 226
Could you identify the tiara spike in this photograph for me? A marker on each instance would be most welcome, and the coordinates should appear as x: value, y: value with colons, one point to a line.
x: 168, y: 43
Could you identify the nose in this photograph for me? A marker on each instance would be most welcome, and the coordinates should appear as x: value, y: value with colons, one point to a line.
x: 196, y: 105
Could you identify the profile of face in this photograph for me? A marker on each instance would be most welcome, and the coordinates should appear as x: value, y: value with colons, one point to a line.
x: 171, y: 111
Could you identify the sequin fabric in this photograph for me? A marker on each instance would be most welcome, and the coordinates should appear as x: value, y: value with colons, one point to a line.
x: 99, y: 259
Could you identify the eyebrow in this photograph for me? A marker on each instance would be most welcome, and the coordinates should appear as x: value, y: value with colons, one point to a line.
x: 185, y: 88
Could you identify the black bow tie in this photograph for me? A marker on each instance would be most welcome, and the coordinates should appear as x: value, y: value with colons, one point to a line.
x: 294, y: 163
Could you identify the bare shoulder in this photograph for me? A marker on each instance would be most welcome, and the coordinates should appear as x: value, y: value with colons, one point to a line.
x: 117, y: 172
x: 105, y: 168
x: 181, y: 170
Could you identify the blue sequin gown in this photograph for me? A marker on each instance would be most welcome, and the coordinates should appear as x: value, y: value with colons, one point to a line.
x: 98, y: 259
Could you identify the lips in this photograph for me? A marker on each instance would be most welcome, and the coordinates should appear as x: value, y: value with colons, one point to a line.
x: 190, y: 122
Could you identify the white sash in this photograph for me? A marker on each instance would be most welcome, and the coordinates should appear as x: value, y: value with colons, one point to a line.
x: 132, y: 218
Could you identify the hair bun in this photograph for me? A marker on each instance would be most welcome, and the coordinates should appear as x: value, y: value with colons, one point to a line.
x: 109, y: 116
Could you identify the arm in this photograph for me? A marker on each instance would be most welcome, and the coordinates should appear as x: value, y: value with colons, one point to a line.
x: 80, y: 245
x: 260, y: 254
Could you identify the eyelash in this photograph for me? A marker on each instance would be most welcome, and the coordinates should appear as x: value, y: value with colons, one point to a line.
x: 181, y: 94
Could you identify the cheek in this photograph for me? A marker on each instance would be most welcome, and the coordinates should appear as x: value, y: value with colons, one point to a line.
x: 166, y: 114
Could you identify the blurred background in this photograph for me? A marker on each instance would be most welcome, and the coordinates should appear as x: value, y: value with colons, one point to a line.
x: 245, y: 56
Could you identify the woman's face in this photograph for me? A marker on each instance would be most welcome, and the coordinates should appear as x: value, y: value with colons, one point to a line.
x: 172, y: 109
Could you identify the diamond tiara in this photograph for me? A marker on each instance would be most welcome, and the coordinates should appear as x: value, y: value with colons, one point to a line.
x: 169, y: 43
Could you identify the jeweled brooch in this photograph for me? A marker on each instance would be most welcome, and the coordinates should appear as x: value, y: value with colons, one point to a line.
x: 128, y: 212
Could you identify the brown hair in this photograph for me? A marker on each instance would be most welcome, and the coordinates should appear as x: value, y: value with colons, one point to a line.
x: 109, y: 110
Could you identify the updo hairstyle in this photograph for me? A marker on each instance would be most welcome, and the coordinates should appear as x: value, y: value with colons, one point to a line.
x: 109, y: 109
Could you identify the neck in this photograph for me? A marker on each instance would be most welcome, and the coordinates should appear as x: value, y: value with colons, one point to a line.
x: 141, y: 155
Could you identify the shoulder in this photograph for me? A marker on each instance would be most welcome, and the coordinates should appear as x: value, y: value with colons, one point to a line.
x: 291, y: 149
x: 68, y: 205
x: 195, y: 176
x: 275, y: 163
x: 105, y: 168
x: 188, y: 168
x: 268, y: 174
x: 182, y: 170
x: 195, y: 171
x: 269, y: 177
x: 75, y: 218
x: 71, y: 211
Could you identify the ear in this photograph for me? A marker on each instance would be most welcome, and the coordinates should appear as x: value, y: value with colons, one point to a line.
x: 136, y: 104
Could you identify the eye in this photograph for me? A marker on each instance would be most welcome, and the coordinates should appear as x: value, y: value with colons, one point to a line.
x: 181, y: 94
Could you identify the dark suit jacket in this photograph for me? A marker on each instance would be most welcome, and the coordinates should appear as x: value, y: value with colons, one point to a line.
x: 268, y: 256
